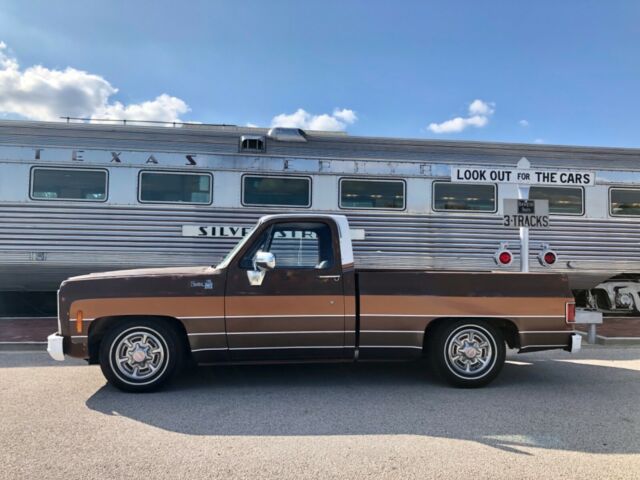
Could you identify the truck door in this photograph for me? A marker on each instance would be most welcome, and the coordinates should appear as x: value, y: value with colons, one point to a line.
x: 295, y: 308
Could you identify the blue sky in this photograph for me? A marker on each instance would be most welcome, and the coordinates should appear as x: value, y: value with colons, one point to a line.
x: 570, y: 69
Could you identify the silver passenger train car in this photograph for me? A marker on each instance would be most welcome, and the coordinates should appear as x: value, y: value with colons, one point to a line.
x: 79, y: 197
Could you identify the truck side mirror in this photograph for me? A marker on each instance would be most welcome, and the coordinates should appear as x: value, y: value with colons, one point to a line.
x: 262, y: 262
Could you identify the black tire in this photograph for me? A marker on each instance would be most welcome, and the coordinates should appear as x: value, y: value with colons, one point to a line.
x: 158, y: 342
x: 449, y: 361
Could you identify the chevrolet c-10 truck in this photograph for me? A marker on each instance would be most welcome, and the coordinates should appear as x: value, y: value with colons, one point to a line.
x: 289, y: 292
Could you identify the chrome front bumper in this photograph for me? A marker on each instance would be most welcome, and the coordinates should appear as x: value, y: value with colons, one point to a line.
x: 55, y: 347
x: 576, y: 343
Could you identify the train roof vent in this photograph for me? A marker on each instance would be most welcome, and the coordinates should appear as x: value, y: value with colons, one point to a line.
x: 284, y: 134
x: 252, y: 143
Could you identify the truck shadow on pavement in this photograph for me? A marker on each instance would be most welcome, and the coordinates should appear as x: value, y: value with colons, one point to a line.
x: 536, y: 402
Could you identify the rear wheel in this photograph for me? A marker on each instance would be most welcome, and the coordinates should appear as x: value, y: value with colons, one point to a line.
x: 467, y: 353
x: 140, y: 355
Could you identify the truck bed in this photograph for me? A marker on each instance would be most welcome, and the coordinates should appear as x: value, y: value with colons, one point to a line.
x: 395, y: 308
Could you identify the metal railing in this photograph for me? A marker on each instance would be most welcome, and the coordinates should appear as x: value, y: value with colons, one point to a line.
x: 144, y: 122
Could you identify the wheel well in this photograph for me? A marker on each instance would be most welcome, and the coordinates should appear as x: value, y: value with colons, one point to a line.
x: 506, y: 327
x: 100, y: 326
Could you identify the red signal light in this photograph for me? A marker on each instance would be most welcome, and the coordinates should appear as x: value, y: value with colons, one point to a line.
x: 505, y: 258
x: 547, y: 257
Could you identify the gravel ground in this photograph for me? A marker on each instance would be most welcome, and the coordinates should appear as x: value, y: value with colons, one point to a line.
x: 549, y: 415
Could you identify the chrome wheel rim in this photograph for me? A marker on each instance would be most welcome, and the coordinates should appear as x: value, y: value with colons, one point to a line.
x: 139, y: 354
x: 470, y: 352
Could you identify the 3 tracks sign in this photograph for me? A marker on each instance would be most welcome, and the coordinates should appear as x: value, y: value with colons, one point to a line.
x: 518, y: 213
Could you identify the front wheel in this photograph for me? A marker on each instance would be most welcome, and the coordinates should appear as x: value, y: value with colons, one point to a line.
x: 467, y: 353
x: 140, y: 355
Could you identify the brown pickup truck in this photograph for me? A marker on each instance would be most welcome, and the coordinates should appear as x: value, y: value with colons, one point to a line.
x: 289, y: 292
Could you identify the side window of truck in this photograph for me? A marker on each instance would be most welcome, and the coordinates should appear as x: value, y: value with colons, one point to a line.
x: 295, y: 245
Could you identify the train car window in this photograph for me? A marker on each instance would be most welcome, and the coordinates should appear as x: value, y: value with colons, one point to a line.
x: 382, y: 194
x: 276, y: 191
x: 168, y: 187
x: 624, y: 202
x: 68, y: 184
x: 470, y: 197
x: 562, y: 200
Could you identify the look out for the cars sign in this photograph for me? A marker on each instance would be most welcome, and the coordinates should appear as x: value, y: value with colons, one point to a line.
x: 522, y: 176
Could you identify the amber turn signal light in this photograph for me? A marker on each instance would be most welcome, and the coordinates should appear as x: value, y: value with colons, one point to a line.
x: 79, y: 321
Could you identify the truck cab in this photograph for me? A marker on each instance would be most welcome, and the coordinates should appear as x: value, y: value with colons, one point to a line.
x: 289, y: 292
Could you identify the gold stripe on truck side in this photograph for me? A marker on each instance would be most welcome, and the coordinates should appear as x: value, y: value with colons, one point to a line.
x: 204, y: 314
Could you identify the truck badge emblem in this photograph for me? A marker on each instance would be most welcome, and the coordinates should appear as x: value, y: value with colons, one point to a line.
x: 207, y: 284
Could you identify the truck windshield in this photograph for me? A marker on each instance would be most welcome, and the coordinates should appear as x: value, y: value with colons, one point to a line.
x: 225, y: 262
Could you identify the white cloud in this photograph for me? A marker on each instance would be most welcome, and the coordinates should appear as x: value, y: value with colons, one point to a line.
x: 523, y: 123
x: 478, y: 107
x: 479, y: 113
x: 337, y: 121
x: 346, y: 115
x: 163, y: 108
x: 40, y: 93
x: 539, y: 140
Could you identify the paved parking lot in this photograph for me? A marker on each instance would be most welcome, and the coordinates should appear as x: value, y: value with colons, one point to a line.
x: 549, y: 415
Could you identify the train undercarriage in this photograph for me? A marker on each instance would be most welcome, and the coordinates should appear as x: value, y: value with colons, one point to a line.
x: 619, y: 296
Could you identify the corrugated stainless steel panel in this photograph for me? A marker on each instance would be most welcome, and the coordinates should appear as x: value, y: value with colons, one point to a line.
x: 48, y: 241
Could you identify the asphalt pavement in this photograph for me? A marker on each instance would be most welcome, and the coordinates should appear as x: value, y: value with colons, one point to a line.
x: 549, y: 415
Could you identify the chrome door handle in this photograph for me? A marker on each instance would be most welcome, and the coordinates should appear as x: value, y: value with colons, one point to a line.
x: 335, y: 278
